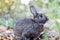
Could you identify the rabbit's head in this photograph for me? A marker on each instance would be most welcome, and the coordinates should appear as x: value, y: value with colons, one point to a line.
x: 38, y: 17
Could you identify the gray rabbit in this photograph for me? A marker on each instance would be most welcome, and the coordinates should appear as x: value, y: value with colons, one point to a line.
x: 28, y: 28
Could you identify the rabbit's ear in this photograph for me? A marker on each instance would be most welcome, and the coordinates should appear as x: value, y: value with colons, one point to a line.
x: 33, y: 11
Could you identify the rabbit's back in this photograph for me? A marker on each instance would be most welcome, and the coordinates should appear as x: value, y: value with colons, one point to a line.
x: 23, y: 26
x: 23, y: 23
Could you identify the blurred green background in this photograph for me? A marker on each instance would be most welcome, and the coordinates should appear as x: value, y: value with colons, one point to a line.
x: 11, y: 10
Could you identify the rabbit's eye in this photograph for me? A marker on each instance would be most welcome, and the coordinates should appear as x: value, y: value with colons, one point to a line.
x: 41, y: 15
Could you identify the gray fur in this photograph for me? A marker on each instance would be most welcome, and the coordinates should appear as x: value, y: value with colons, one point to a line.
x: 28, y: 29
